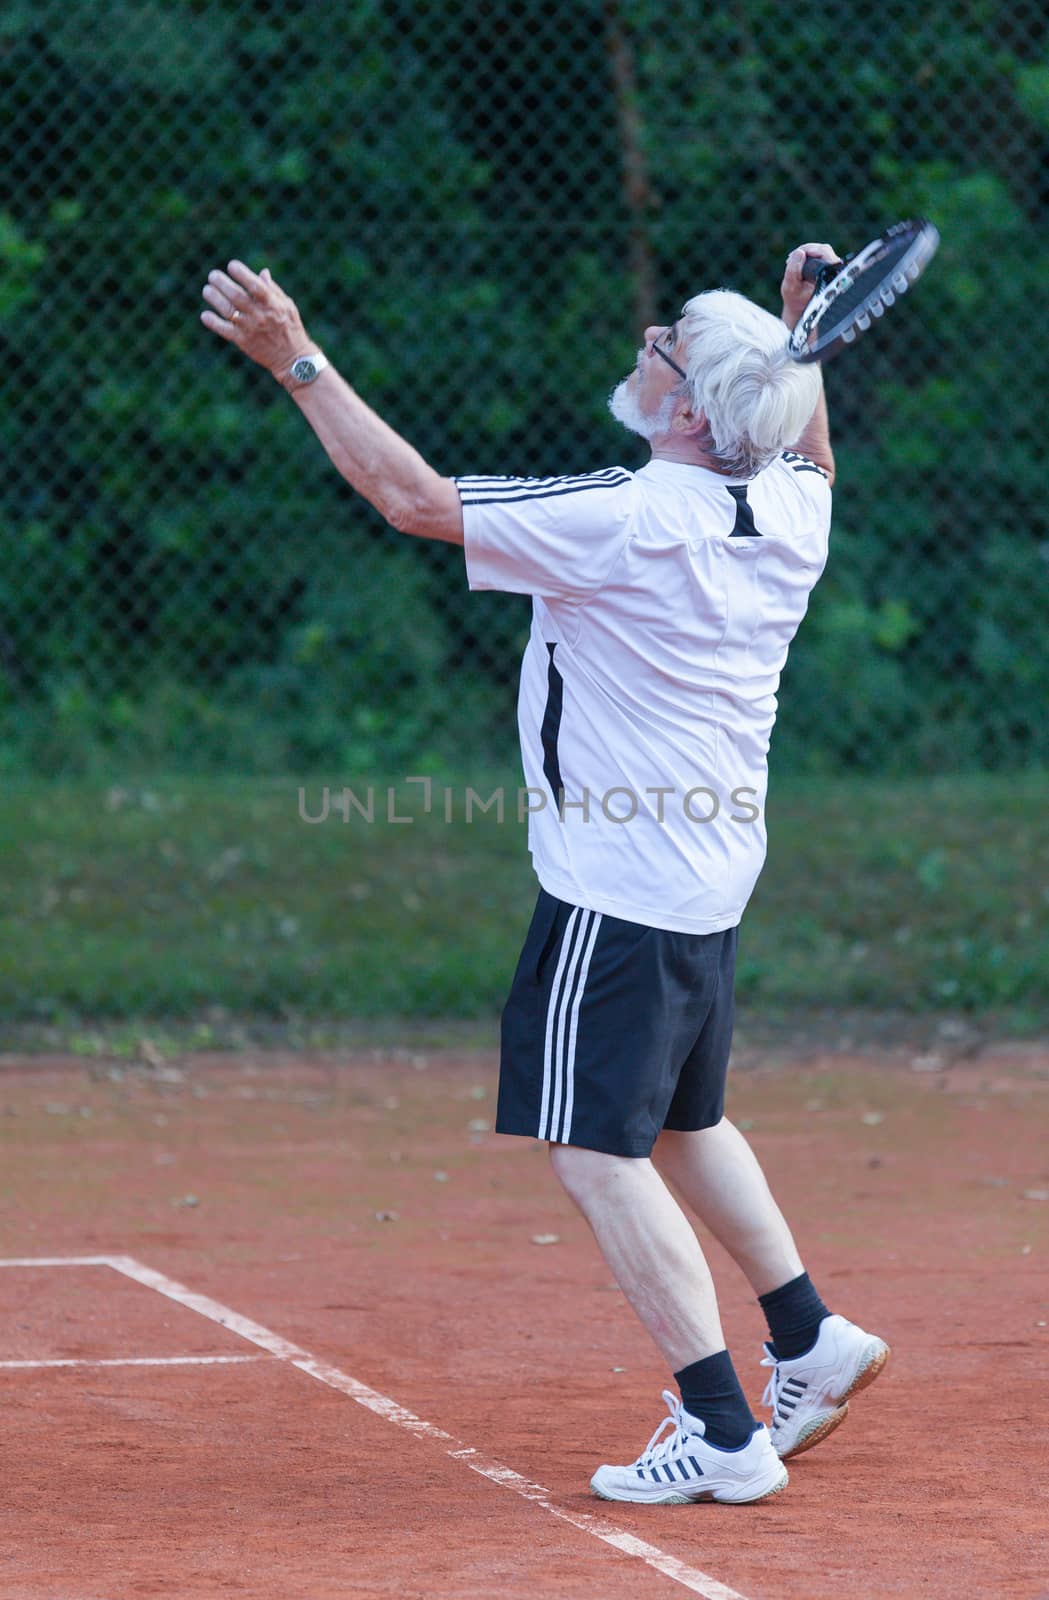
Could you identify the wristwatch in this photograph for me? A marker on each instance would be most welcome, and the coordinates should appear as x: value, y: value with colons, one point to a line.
x: 304, y: 370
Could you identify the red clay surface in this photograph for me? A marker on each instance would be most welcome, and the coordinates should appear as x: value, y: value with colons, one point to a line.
x: 921, y: 1200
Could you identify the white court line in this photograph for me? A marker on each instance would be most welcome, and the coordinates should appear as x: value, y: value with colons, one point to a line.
x: 136, y: 1361
x: 700, y: 1583
x: 58, y: 1261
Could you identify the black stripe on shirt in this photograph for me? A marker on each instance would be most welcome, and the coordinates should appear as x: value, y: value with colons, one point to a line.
x: 551, y: 727
x: 744, y: 524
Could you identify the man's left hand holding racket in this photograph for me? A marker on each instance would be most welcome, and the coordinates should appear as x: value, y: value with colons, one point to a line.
x: 797, y: 292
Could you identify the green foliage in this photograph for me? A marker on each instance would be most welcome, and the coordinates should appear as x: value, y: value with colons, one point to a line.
x: 162, y: 899
x: 20, y: 264
x: 476, y: 214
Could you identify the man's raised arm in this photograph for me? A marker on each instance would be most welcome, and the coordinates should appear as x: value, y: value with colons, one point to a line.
x: 814, y: 441
x: 254, y: 313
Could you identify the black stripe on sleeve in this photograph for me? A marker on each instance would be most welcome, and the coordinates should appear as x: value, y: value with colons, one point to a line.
x: 800, y: 463
x: 479, y: 480
x: 510, y: 496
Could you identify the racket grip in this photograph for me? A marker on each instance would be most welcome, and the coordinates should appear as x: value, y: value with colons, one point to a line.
x: 820, y: 272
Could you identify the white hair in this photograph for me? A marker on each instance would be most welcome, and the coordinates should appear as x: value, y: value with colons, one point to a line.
x: 756, y: 399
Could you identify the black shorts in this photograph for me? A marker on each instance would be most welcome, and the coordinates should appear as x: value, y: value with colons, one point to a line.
x: 614, y: 1031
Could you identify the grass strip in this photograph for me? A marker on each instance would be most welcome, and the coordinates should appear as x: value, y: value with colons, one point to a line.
x: 189, y: 899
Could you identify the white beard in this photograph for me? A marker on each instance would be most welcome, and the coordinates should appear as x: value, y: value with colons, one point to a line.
x: 623, y: 404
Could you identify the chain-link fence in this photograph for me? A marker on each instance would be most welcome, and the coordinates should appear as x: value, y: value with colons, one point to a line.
x: 477, y: 206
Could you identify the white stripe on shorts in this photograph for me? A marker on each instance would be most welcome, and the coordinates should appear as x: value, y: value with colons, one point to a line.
x: 573, y: 1028
x: 562, y: 1015
x: 551, y: 1017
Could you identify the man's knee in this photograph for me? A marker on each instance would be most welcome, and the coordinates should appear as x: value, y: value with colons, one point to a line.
x: 671, y: 1139
x: 677, y: 1153
x: 584, y: 1172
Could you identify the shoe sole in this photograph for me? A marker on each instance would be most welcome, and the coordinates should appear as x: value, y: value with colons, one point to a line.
x: 818, y: 1430
x: 675, y: 1499
x: 822, y: 1427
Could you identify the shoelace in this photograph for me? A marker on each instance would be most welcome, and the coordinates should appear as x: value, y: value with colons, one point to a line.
x: 781, y: 1394
x: 771, y: 1394
x: 672, y: 1446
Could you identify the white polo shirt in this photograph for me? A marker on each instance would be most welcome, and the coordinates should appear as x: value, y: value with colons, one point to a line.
x: 664, y: 602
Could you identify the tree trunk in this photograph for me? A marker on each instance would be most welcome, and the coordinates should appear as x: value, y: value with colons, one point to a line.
x: 637, y: 191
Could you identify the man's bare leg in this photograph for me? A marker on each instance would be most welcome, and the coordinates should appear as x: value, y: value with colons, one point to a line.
x: 826, y: 1358
x: 722, y: 1182
x: 714, y: 1450
x: 650, y: 1246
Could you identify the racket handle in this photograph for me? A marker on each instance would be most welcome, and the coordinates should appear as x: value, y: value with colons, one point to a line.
x: 820, y: 272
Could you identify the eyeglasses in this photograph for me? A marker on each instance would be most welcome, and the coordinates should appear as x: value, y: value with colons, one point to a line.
x: 667, y: 359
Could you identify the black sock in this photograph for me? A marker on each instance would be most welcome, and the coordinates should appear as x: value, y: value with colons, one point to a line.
x: 710, y: 1391
x: 794, y: 1312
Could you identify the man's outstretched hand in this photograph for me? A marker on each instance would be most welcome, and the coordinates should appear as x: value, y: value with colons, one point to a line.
x: 253, y: 312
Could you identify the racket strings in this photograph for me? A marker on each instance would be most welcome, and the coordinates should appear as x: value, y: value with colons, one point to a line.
x: 872, y: 281
x: 862, y: 289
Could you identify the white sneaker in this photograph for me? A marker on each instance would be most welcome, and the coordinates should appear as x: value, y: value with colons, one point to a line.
x: 683, y: 1467
x: 808, y: 1395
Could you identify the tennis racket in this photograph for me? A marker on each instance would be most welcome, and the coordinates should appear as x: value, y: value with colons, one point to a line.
x: 854, y: 293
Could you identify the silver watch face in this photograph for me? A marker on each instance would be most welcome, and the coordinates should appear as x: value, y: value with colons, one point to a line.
x: 304, y: 370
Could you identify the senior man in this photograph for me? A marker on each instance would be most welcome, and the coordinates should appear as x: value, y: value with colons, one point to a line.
x: 664, y: 602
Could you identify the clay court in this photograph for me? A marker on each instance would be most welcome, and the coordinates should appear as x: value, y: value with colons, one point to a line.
x: 290, y: 1327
